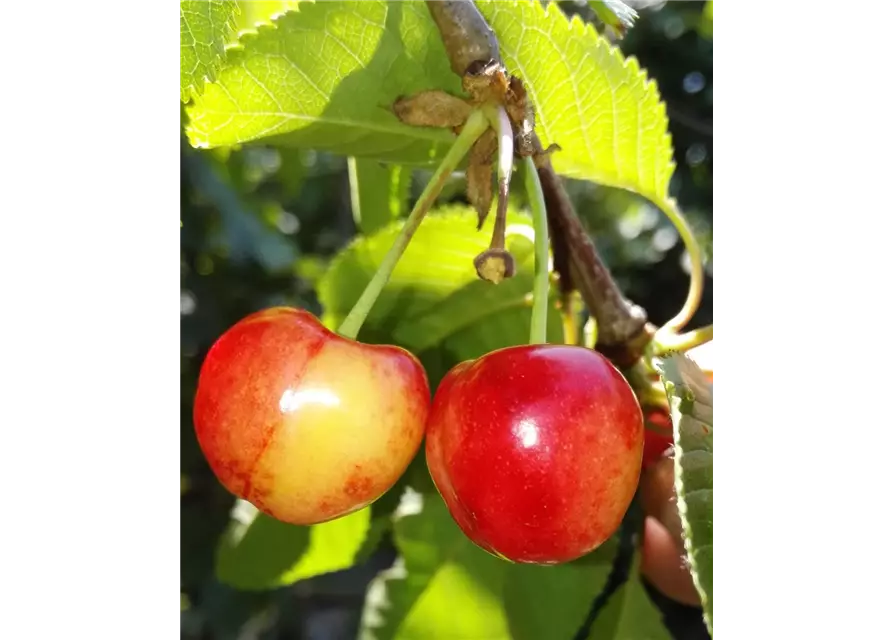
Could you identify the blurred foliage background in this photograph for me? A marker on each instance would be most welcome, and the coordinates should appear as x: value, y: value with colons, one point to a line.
x: 259, y: 227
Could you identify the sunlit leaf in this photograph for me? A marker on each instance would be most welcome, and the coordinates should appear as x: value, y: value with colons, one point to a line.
x: 691, y: 407
x: 253, y: 13
x: 444, y: 584
x: 205, y: 28
x: 616, y: 14
x: 258, y: 552
x: 434, y: 298
x: 599, y: 106
x: 324, y: 77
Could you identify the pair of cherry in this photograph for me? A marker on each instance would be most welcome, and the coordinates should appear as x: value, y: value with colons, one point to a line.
x: 536, y: 449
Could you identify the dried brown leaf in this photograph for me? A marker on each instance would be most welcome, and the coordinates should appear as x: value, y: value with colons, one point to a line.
x: 486, y: 81
x: 516, y: 104
x: 480, y: 174
x: 432, y: 109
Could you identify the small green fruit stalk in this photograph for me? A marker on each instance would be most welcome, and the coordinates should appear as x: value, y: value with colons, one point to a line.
x: 309, y: 425
x: 536, y: 449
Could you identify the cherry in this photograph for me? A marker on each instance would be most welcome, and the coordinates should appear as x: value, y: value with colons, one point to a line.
x: 658, y: 434
x: 536, y: 450
x: 304, y: 423
x: 663, y: 548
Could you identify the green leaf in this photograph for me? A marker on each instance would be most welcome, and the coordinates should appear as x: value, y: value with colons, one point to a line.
x: 691, y: 407
x: 630, y: 614
x: 324, y: 77
x: 445, y: 586
x: 706, y: 26
x: 379, y: 193
x: 417, y: 479
x: 616, y: 14
x: 434, y: 297
x: 205, y: 28
x: 253, y: 13
x: 600, y: 107
x: 258, y: 552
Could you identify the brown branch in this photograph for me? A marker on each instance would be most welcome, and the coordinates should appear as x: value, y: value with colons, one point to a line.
x: 622, y: 327
x: 465, y: 34
x: 619, y: 321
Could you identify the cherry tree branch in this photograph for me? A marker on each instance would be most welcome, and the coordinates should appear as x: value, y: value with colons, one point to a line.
x: 619, y: 321
x: 622, y: 327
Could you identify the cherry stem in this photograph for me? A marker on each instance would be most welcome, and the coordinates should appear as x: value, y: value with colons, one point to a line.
x: 590, y: 333
x: 541, y: 253
x: 696, y: 281
x: 475, y: 125
x: 666, y: 343
x: 569, y: 318
x: 500, y: 122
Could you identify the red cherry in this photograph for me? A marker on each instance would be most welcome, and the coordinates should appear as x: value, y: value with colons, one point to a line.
x: 663, y: 548
x: 536, y: 450
x: 306, y: 424
x: 658, y: 435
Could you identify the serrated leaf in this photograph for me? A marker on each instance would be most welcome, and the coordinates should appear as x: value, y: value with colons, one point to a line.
x: 691, y: 407
x: 324, y: 77
x: 253, y: 13
x: 205, y: 28
x: 379, y: 193
x: 434, y: 297
x: 600, y: 107
x: 630, y: 614
x: 445, y: 586
x: 616, y: 14
x: 258, y: 552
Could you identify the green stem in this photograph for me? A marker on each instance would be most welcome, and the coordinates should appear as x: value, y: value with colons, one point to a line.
x: 541, y: 253
x: 474, y: 127
x: 696, y: 282
x: 590, y: 333
x: 499, y: 121
x: 666, y: 343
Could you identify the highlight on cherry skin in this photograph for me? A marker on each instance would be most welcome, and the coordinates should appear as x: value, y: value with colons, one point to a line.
x: 536, y: 450
x: 303, y: 423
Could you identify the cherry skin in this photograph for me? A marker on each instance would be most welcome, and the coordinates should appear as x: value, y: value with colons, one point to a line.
x: 536, y: 450
x: 306, y: 424
x: 658, y: 434
x: 663, y: 548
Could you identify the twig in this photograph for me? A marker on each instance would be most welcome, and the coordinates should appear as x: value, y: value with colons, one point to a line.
x: 465, y: 33
x: 619, y: 321
x: 622, y: 326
